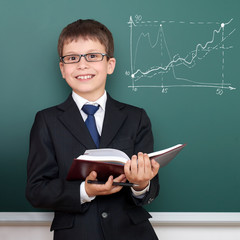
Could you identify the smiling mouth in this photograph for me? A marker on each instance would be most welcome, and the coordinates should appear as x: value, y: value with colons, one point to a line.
x: 85, y: 77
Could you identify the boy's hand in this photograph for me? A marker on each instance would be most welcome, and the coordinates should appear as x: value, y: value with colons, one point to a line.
x: 102, y: 189
x: 140, y: 170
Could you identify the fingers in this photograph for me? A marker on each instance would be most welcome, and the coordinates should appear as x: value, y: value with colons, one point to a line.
x: 127, y: 168
x: 108, y: 187
x: 102, y: 189
x: 121, y: 178
x: 138, y: 164
x: 134, y: 165
x: 155, y: 166
x: 140, y: 169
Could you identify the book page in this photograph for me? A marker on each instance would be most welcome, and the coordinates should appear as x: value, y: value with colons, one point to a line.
x: 164, y: 150
x: 105, y: 159
x: 107, y: 155
x: 106, y: 152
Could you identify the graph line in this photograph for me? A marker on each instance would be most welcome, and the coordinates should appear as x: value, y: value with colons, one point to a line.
x: 199, y: 53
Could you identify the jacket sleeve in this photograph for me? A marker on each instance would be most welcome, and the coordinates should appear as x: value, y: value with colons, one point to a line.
x: 45, y: 189
x: 144, y: 143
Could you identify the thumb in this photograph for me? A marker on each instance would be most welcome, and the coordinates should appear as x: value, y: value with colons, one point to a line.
x: 92, y: 175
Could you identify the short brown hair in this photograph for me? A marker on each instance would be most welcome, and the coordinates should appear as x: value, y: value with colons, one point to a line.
x: 87, y: 29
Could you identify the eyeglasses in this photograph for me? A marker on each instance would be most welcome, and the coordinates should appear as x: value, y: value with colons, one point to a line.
x: 89, y: 57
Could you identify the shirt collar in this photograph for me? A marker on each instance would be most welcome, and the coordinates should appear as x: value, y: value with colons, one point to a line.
x: 80, y: 101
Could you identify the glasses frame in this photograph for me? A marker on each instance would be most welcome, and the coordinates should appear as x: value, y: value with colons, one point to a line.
x: 85, y: 56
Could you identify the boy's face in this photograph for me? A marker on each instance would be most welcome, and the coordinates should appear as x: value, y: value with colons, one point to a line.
x: 87, y: 79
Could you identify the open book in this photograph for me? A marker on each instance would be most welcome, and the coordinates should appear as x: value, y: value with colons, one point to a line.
x: 108, y: 161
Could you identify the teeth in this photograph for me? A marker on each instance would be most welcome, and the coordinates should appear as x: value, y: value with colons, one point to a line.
x: 84, y: 77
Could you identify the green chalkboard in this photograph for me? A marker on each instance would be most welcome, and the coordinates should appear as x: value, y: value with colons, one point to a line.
x: 178, y: 59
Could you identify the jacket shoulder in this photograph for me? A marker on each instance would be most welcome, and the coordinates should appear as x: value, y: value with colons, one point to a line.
x: 59, y: 107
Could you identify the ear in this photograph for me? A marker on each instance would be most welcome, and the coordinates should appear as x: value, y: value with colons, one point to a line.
x: 61, y: 66
x: 111, y: 65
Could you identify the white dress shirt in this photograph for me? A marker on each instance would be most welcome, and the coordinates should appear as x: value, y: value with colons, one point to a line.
x: 99, y: 118
x: 99, y: 115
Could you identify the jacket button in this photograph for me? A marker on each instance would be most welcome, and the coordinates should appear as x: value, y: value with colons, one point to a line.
x: 104, y: 215
x: 150, y: 200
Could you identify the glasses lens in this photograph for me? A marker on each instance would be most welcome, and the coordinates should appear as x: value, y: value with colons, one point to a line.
x: 94, y: 57
x: 71, y: 59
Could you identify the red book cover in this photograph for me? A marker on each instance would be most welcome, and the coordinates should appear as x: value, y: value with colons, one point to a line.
x: 80, y: 169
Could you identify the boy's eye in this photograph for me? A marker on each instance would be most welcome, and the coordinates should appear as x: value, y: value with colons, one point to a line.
x: 71, y: 58
x: 92, y: 55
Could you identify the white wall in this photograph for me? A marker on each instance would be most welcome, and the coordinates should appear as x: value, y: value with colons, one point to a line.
x: 168, y: 226
x: 28, y: 232
x: 25, y: 232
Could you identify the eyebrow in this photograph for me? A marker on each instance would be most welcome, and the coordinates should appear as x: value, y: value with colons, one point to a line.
x: 89, y: 51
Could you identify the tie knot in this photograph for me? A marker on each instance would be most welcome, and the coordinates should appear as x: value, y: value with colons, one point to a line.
x: 90, y: 109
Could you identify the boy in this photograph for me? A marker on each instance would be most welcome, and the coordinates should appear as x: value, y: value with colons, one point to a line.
x: 59, y: 134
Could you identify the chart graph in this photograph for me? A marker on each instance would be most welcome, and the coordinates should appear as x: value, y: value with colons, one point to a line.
x: 192, y: 58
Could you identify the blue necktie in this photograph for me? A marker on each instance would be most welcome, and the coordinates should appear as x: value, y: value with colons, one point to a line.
x: 91, y: 123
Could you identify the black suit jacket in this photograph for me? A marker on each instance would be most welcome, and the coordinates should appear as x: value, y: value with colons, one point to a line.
x: 58, y: 135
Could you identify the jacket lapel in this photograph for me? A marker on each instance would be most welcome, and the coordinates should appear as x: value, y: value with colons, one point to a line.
x: 113, y: 120
x: 72, y: 120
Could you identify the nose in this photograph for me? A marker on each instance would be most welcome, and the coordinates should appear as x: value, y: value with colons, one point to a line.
x: 82, y: 64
